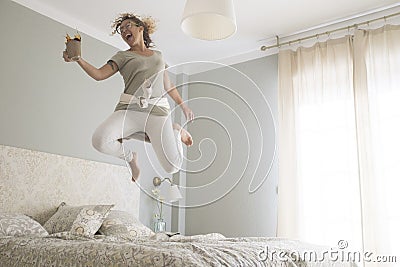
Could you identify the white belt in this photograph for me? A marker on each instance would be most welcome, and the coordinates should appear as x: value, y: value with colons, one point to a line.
x: 143, y: 102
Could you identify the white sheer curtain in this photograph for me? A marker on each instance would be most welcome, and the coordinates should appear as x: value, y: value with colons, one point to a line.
x: 318, y: 176
x: 377, y: 91
x: 339, y: 111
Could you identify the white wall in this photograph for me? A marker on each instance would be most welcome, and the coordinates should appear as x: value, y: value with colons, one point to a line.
x: 220, y: 109
x: 52, y: 106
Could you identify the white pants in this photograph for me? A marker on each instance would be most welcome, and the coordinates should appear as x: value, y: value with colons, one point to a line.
x: 165, y: 140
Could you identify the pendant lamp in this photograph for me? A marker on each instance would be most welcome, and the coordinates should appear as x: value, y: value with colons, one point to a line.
x: 209, y: 19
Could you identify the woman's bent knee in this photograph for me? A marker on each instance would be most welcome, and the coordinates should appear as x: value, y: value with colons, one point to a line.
x: 98, y: 141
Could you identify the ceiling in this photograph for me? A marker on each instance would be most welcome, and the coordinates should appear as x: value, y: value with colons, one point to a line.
x: 258, y: 22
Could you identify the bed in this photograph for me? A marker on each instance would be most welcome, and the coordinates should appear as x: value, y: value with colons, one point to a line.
x: 54, y: 212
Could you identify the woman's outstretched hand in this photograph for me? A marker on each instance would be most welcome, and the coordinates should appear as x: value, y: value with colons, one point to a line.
x: 188, y: 113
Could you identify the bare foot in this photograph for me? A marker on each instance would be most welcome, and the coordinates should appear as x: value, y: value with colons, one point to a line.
x: 134, y: 167
x: 186, y: 138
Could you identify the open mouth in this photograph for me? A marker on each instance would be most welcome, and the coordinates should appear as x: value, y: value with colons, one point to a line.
x: 128, y: 36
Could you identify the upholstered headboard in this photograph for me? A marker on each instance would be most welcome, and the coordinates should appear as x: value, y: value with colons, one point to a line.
x: 35, y: 183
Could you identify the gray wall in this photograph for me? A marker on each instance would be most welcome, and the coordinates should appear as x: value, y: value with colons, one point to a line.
x: 45, y: 102
x: 47, y: 105
x: 228, y: 106
x: 52, y: 106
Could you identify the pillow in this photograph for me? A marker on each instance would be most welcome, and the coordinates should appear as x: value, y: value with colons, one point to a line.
x: 67, y: 216
x: 20, y: 225
x: 87, y: 223
x: 123, y: 224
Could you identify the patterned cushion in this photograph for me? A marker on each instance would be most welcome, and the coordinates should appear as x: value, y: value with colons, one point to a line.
x: 123, y: 224
x: 20, y: 225
x: 87, y: 223
x: 65, y: 217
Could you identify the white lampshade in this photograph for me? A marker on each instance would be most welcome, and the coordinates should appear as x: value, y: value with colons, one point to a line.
x: 209, y: 19
x: 173, y: 193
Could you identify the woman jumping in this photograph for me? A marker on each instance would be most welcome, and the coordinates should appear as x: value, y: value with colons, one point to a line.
x: 149, y: 113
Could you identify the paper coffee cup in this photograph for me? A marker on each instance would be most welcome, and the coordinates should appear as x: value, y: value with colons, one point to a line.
x: 74, y: 49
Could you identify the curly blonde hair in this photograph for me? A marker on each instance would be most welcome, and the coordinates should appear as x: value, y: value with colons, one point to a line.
x: 148, y: 23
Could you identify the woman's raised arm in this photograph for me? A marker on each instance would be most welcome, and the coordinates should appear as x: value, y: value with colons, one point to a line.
x: 99, y: 74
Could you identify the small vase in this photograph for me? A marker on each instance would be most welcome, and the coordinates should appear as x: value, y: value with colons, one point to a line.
x: 159, y: 226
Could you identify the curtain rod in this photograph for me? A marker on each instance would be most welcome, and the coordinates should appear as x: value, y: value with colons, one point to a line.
x: 278, y: 44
